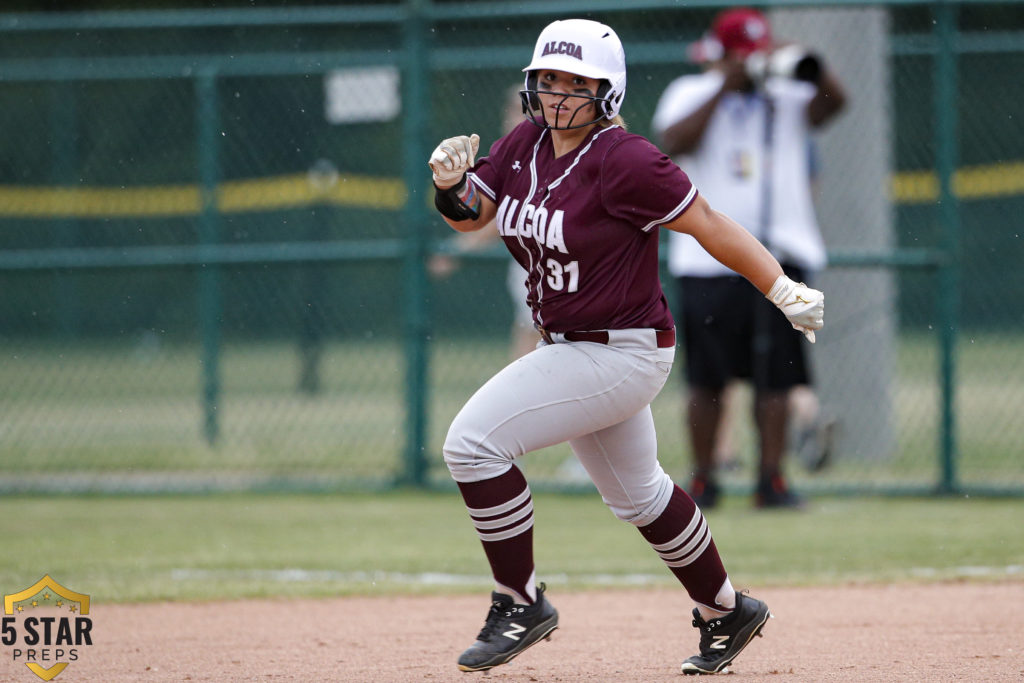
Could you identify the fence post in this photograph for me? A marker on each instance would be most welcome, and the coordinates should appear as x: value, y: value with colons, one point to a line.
x: 208, y: 155
x: 415, y: 120
x: 946, y: 125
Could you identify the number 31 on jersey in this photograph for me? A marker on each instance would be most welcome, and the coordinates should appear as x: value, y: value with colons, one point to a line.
x: 565, y: 277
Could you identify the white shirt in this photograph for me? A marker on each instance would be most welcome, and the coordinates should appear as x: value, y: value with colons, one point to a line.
x: 728, y: 169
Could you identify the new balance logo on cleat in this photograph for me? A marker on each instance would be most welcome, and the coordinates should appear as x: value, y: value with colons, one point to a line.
x: 722, y: 639
x: 508, y: 630
x: 514, y: 632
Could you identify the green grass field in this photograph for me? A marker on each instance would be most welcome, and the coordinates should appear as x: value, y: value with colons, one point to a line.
x: 126, y: 549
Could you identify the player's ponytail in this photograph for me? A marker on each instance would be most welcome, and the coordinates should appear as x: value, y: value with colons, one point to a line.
x: 616, y: 121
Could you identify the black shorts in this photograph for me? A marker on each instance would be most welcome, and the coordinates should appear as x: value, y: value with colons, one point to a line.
x: 730, y: 330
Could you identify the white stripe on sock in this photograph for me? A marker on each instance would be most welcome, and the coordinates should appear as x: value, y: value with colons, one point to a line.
x: 687, y: 532
x: 692, y: 557
x: 506, y: 520
x: 502, y: 535
x: 701, y: 533
x: 504, y: 507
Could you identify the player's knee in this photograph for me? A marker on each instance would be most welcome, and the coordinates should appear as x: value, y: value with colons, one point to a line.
x: 471, y: 459
x: 643, y: 507
x: 633, y: 516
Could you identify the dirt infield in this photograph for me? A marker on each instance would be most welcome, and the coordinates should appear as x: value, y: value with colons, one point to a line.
x: 934, y: 632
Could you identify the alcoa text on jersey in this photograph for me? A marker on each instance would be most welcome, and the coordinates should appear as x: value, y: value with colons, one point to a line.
x: 583, y: 225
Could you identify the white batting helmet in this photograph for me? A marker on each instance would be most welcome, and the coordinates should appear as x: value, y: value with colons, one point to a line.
x: 586, y: 48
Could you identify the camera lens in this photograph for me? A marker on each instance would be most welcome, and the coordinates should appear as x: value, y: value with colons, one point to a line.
x: 808, y: 69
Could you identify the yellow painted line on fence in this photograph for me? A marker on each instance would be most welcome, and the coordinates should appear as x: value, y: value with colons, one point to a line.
x: 381, y: 193
x: 92, y: 202
x: 284, y: 192
x: 236, y: 196
x: 970, y: 182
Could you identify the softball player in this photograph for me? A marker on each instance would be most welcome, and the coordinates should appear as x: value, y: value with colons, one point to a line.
x: 578, y: 202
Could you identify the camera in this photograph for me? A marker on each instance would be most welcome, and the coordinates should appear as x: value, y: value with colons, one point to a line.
x: 791, y: 61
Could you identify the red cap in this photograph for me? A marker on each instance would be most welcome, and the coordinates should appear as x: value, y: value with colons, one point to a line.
x: 742, y: 30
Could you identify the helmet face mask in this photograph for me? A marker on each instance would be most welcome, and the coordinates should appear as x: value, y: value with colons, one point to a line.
x: 577, y: 104
x: 585, y: 48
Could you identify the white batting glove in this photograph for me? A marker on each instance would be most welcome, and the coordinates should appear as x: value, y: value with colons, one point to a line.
x: 803, y: 307
x: 452, y: 158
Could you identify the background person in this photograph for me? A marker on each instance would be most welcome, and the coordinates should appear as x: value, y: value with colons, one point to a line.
x: 742, y: 131
x: 811, y: 434
x: 578, y: 201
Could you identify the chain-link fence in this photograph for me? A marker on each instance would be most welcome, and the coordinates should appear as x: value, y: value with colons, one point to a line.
x: 214, y: 231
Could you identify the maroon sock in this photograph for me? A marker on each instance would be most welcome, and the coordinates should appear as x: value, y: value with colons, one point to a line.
x: 502, y: 512
x: 681, y: 537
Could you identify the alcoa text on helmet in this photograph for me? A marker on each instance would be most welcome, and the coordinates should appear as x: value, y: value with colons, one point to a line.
x: 585, y: 48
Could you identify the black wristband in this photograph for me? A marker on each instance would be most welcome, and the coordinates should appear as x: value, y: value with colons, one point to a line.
x: 448, y: 203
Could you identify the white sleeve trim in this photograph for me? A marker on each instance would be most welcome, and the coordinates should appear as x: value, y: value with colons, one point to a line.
x: 475, y: 179
x: 683, y: 205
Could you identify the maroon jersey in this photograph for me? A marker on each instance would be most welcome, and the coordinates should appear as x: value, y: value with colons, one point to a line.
x: 584, y: 225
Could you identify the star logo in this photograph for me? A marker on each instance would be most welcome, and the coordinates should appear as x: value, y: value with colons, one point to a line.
x: 57, y: 639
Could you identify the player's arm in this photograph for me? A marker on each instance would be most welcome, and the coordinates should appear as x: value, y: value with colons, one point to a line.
x: 729, y: 243
x: 735, y: 248
x: 463, y: 207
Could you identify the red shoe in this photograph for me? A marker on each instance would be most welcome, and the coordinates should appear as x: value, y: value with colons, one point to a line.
x: 772, y: 492
x: 704, y: 492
